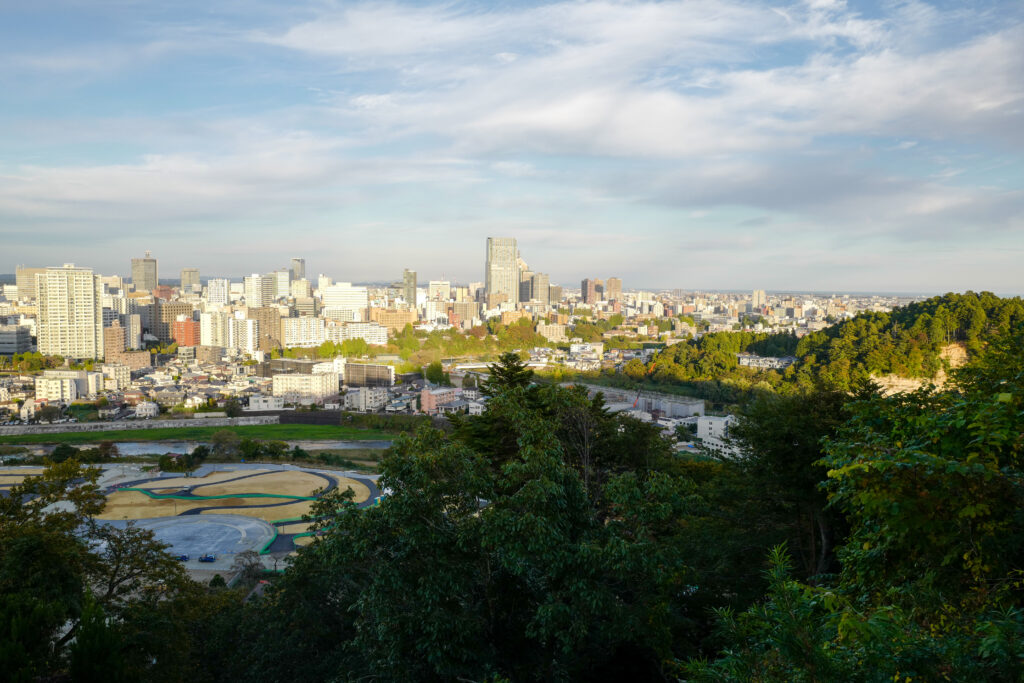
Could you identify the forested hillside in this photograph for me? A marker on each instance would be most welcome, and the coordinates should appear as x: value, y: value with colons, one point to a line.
x: 907, y: 342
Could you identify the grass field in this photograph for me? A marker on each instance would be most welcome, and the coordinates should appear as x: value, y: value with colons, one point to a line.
x: 285, y: 432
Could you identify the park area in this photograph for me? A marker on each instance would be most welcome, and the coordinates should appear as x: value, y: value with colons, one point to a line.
x: 220, y: 510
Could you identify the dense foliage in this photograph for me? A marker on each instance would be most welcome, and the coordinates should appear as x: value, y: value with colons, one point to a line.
x: 859, y: 538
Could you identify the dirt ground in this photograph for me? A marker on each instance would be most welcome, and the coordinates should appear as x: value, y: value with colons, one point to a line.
x: 295, y: 528
x: 137, y: 505
x: 268, y: 514
x: 281, y: 483
x: 303, y: 540
x: 212, y: 478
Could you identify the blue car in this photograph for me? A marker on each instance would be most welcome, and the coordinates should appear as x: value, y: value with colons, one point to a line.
x: 208, y: 558
x: 182, y: 558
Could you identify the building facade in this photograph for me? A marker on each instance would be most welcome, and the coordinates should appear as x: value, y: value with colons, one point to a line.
x: 145, y: 276
x: 70, y: 316
x: 502, y: 268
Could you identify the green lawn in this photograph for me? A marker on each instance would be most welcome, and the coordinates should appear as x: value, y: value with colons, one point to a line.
x: 286, y: 432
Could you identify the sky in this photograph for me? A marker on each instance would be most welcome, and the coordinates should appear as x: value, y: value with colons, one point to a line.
x: 726, y: 144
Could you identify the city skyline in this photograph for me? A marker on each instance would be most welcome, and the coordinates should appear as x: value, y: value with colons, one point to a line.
x: 820, y: 145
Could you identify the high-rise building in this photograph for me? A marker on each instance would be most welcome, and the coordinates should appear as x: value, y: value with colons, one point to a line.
x: 218, y: 292
x: 244, y: 335
x: 409, y: 287
x: 439, y: 290
x: 185, y: 331
x: 298, y: 269
x: 70, y: 318
x: 259, y: 290
x: 502, y: 268
x: 269, y: 319
x: 344, y: 302
x: 165, y: 314
x: 300, y: 288
x: 588, y: 291
x: 540, y: 288
x: 189, y: 280
x: 282, y: 283
x: 145, y: 276
x: 613, y: 289
x: 599, y: 289
x: 25, y: 279
x: 758, y: 299
x: 215, y: 329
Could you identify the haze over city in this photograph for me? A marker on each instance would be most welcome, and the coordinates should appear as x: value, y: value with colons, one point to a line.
x: 821, y: 145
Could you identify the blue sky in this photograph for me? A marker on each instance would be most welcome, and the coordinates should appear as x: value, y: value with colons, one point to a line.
x: 817, y: 145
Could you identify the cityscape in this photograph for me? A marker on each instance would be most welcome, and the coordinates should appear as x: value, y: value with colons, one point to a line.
x: 152, y: 346
x: 669, y: 341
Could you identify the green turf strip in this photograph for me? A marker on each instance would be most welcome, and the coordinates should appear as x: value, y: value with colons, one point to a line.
x: 171, y: 496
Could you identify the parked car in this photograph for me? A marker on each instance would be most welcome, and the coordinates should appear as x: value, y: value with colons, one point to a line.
x: 182, y: 558
x: 208, y: 558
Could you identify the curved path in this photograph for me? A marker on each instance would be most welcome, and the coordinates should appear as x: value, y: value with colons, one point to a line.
x: 222, y: 533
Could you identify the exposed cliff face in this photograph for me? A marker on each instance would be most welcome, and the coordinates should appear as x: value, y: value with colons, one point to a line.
x: 953, y: 356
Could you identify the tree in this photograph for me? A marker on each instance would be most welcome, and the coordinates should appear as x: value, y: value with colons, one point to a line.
x: 434, y: 373
x: 225, y: 443
x: 62, y: 452
x: 248, y: 565
x: 507, y: 373
x: 48, y: 413
x: 232, y: 408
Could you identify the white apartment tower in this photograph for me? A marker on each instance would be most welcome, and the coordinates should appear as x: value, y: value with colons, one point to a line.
x: 259, y: 290
x: 503, y: 267
x: 218, y: 292
x: 345, y: 302
x: 70, y: 318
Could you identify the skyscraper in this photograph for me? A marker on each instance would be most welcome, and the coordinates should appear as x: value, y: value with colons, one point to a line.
x: 189, y: 279
x: 259, y: 290
x: 541, y: 288
x: 588, y: 291
x: 218, y: 292
x: 144, y: 273
x: 758, y: 299
x: 613, y: 289
x: 70, y: 318
x: 409, y: 287
x: 502, y: 268
x: 298, y: 268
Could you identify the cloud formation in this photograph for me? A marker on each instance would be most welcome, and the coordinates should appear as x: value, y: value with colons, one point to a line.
x: 840, y: 145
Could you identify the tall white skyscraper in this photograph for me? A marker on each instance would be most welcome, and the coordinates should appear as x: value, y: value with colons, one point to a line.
x: 215, y: 329
x: 70, y: 318
x: 218, y: 292
x: 259, y: 290
x: 502, y: 268
x: 758, y: 299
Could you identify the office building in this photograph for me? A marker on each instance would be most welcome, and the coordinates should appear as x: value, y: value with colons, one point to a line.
x: 190, y: 280
x: 392, y: 319
x: 345, y: 302
x: 439, y: 290
x: 70, y: 317
x: 25, y: 279
x: 502, y: 268
x: 409, y: 287
x: 540, y: 288
x: 298, y: 269
x: 15, y: 339
x: 144, y: 274
x: 282, y: 283
x: 166, y: 312
x: 554, y: 294
x: 758, y: 299
x: 369, y: 375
